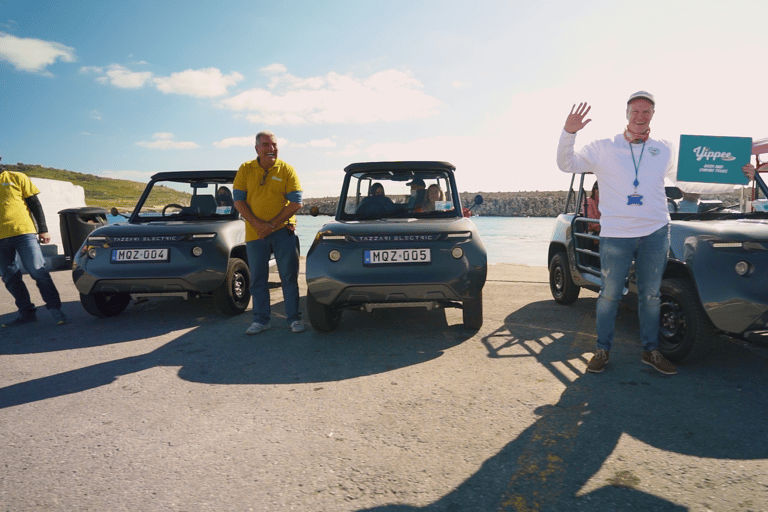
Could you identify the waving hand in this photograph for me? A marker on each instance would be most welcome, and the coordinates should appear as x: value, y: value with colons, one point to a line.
x: 575, y: 120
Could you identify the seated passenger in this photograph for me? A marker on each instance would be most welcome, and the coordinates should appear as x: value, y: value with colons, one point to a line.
x: 224, y: 197
x: 377, y: 189
x: 593, y: 210
x: 434, y: 193
x: 689, y: 203
x: 417, y: 193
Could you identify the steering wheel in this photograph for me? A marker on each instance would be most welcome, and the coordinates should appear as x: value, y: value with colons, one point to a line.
x: 172, y: 205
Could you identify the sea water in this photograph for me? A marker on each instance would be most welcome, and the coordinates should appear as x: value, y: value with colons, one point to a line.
x: 521, y: 240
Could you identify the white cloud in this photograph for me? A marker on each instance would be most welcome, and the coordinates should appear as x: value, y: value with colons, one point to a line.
x: 33, y: 55
x: 198, y: 83
x: 95, y: 114
x: 165, y: 140
x: 140, y: 176
x: 232, y: 142
x: 119, y: 76
x: 274, y: 68
x: 385, y: 96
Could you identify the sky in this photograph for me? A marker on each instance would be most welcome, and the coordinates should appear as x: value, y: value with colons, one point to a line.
x: 126, y: 89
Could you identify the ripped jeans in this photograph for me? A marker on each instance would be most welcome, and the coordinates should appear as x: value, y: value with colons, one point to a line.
x: 616, y: 255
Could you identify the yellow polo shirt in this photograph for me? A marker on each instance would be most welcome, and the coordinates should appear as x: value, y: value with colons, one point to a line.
x: 15, y: 218
x: 269, y: 199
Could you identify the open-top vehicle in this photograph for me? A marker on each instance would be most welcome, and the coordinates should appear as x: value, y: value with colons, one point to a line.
x: 716, y: 279
x: 389, y: 246
x: 184, y: 238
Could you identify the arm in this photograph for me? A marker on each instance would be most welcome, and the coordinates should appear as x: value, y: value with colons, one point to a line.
x: 33, y: 203
x: 263, y: 228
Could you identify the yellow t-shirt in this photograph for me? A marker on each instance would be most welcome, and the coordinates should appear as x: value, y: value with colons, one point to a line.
x: 269, y: 199
x: 15, y: 218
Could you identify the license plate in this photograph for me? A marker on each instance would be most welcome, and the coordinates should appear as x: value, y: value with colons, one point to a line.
x: 123, y: 255
x: 381, y: 256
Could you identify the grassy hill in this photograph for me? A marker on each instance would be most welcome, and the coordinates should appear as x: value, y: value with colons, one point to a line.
x: 104, y: 192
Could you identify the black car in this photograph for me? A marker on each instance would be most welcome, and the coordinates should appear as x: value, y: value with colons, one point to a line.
x: 400, y: 239
x: 184, y: 238
x: 716, y: 279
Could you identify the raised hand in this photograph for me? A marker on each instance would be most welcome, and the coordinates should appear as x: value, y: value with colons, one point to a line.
x: 575, y: 120
x: 749, y: 171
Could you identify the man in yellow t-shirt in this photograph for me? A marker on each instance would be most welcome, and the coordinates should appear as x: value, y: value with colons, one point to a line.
x: 267, y: 194
x: 18, y: 235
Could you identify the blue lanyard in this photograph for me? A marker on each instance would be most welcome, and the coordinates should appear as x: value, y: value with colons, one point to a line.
x: 636, y: 164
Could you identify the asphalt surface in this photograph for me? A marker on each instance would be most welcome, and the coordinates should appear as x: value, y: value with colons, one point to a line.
x: 169, y: 406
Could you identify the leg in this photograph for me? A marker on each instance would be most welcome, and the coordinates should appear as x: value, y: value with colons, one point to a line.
x: 616, y: 255
x: 32, y: 258
x: 258, y: 262
x: 649, y: 270
x: 287, y: 258
x: 11, y: 274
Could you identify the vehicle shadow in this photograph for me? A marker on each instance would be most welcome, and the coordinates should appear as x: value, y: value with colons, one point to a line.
x: 213, y: 349
x: 548, y: 464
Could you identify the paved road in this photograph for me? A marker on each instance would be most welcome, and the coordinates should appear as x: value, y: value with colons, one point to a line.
x: 170, y: 407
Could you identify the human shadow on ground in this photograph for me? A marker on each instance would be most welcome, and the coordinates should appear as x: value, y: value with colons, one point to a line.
x: 547, y: 465
x: 213, y: 349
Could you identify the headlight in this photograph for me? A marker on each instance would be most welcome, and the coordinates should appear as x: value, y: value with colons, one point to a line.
x: 457, y: 252
x: 92, y: 252
x: 743, y: 268
x: 334, y: 255
x: 197, y: 250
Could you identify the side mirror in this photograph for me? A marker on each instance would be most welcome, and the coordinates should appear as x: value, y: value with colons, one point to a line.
x: 673, y: 192
x: 478, y: 200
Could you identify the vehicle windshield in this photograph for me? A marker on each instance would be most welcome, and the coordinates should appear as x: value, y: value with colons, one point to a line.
x: 174, y: 200
x: 398, y: 194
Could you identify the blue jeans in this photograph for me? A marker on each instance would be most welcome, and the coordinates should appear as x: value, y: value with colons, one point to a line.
x: 616, y: 256
x: 28, y: 249
x: 283, y: 244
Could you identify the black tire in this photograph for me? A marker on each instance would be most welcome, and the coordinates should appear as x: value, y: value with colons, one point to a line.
x: 322, y: 318
x: 472, y: 311
x: 234, y: 294
x: 683, y: 323
x: 561, y: 284
x: 103, y: 305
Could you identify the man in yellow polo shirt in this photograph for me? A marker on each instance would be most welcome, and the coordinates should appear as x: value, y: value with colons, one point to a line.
x: 18, y: 235
x: 267, y: 194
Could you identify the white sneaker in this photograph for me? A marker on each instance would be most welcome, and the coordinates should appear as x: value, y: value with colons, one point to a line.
x: 256, y: 328
x: 297, y: 326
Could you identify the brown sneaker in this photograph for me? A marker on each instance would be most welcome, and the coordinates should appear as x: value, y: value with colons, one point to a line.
x: 598, y: 361
x: 658, y: 361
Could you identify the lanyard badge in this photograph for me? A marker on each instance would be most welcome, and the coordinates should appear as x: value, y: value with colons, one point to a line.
x: 636, y: 199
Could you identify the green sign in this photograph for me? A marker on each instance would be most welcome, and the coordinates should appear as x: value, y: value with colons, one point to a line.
x: 709, y: 159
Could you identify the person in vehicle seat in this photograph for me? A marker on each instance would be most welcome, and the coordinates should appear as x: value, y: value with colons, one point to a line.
x: 593, y: 211
x: 268, y: 195
x: 377, y: 189
x: 631, y: 168
x: 434, y: 193
x: 224, y: 197
x: 417, y: 193
x: 689, y: 203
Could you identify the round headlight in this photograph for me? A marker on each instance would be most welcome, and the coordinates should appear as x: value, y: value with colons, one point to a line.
x: 197, y: 250
x: 457, y: 252
x: 334, y: 255
x: 92, y: 253
x: 742, y: 268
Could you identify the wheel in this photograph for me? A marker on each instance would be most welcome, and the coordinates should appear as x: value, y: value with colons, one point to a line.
x: 472, y: 311
x: 233, y: 296
x: 105, y: 304
x: 322, y: 318
x: 683, y: 323
x: 172, y: 205
x: 563, y: 289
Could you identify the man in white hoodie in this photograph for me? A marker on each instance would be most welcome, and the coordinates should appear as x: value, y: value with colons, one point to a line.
x: 634, y: 223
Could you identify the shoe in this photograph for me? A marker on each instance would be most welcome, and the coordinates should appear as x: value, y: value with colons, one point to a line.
x: 21, y: 320
x: 598, y: 361
x: 256, y: 328
x: 297, y: 326
x: 58, y: 316
x: 658, y: 361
